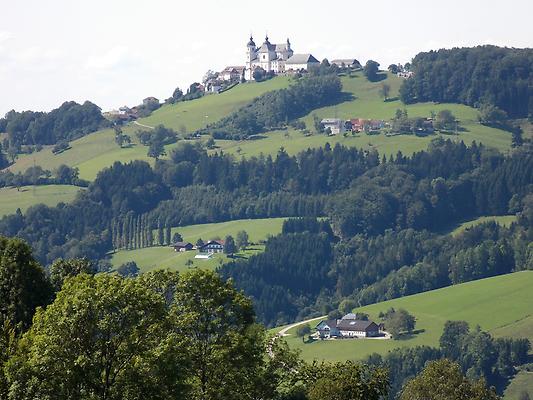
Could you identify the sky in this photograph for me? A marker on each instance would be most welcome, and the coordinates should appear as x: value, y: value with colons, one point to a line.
x: 117, y: 52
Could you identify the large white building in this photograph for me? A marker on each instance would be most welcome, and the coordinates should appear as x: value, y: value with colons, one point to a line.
x: 276, y: 58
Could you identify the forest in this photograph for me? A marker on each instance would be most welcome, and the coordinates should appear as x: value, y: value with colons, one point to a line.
x: 74, y: 334
x: 502, y: 77
x: 65, y: 123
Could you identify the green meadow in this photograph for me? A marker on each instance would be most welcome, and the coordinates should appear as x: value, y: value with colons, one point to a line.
x: 164, y: 257
x: 27, y: 196
x: 522, y: 382
x: 500, y: 305
x: 196, y: 114
x: 367, y: 103
x: 98, y: 150
x: 503, y: 220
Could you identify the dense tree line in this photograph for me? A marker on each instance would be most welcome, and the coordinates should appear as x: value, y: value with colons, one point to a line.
x: 160, y: 336
x: 62, y: 175
x: 74, y: 333
x: 485, y: 74
x: 70, y: 121
x: 370, y: 269
x: 275, y: 109
x: 367, y: 195
x: 477, y: 353
x: 299, y: 258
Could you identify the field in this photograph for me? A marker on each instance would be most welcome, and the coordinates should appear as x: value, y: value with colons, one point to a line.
x: 165, y: 257
x: 196, y: 114
x: 503, y: 220
x: 98, y: 150
x: 499, y: 305
x: 367, y: 103
x: 11, y: 199
x: 523, y: 381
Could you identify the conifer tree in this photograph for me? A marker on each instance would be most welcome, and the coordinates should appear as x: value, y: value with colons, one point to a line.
x: 168, y: 232
x: 160, y: 233
x: 138, y: 236
x: 125, y: 233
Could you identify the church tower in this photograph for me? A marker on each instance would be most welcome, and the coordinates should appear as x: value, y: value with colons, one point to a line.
x: 251, y: 55
x: 250, y: 50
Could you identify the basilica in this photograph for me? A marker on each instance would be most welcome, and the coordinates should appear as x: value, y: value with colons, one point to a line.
x: 276, y: 58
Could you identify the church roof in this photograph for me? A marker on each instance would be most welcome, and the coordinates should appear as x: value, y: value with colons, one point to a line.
x: 281, y: 47
x: 251, y: 42
x: 266, y: 47
x: 302, y: 59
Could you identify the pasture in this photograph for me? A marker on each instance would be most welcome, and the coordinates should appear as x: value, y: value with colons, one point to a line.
x: 500, y: 305
x: 27, y: 196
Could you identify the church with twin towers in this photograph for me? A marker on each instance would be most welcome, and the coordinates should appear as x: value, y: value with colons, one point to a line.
x: 275, y: 58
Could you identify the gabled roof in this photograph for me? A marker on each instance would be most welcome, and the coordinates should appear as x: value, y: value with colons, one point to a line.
x: 350, y: 315
x: 345, y: 61
x: 182, y: 244
x: 301, y: 59
x: 331, y: 323
x: 355, y: 325
x: 219, y: 242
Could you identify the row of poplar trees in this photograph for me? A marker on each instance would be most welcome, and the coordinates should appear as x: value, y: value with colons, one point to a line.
x: 136, y: 232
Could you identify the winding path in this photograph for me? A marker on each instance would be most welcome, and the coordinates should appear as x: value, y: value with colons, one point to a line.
x: 144, y: 126
x: 283, y: 332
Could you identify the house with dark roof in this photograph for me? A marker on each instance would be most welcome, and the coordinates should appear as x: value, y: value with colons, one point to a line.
x: 347, y: 327
x: 213, y: 246
x: 183, y: 246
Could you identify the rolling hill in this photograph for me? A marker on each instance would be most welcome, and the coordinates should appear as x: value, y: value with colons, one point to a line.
x: 98, y: 150
x: 500, y: 305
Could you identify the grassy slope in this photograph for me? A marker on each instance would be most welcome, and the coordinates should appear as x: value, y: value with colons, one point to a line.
x: 99, y: 150
x: 367, y: 103
x: 504, y: 220
x: 523, y: 381
x: 165, y: 257
x: 497, y: 304
x: 197, y: 114
x: 11, y: 199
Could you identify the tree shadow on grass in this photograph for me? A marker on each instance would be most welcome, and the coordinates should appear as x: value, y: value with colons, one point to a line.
x: 409, y: 336
x: 379, y: 77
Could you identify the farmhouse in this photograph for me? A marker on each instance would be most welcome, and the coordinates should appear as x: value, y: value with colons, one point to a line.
x: 335, y: 125
x: 275, y: 58
x: 213, y: 246
x: 346, y: 62
x: 232, y: 73
x: 183, y: 246
x: 347, y: 327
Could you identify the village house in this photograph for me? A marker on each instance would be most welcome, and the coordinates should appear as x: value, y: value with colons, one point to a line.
x: 347, y: 327
x: 346, y: 63
x: 360, y: 124
x: 335, y: 125
x: 211, y: 247
x: 275, y: 58
x: 232, y: 73
x: 183, y: 246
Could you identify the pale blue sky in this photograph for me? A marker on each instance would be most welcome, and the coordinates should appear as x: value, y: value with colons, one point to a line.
x: 116, y: 52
